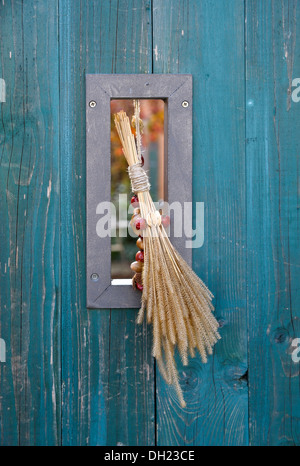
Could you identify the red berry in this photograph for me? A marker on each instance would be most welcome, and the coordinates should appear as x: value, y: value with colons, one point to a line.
x: 139, y: 256
x: 140, y: 224
x: 165, y: 220
x: 139, y: 286
x: 135, y: 201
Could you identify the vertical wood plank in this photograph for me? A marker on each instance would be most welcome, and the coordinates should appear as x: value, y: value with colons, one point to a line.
x: 29, y: 227
x: 273, y: 127
x: 108, y: 371
x: 207, y: 40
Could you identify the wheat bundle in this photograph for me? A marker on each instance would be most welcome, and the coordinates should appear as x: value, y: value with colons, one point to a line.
x: 174, y: 298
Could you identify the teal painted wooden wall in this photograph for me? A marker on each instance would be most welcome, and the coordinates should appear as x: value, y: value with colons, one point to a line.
x: 79, y: 377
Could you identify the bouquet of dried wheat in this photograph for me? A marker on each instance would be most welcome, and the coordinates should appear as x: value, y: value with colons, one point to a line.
x: 175, y: 300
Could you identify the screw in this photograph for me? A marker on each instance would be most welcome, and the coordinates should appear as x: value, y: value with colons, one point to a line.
x: 94, y: 277
x: 185, y: 104
x: 92, y: 104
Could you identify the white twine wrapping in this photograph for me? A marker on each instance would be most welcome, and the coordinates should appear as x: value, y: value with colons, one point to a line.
x: 139, y: 178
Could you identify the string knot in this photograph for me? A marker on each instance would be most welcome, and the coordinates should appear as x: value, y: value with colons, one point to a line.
x: 138, y: 178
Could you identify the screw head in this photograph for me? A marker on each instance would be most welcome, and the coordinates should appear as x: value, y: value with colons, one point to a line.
x: 92, y: 104
x: 94, y: 277
x: 185, y: 104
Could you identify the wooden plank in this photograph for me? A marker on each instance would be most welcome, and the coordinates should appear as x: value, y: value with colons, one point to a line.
x: 208, y: 41
x: 108, y: 370
x: 273, y: 127
x: 29, y: 228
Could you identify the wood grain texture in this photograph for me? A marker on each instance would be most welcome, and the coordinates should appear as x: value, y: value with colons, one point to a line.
x: 29, y: 227
x: 108, y: 370
x: 208, y: 41
x: 273, y: 127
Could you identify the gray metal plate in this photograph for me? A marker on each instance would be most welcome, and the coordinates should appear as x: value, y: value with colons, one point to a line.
x: 101, y: 88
